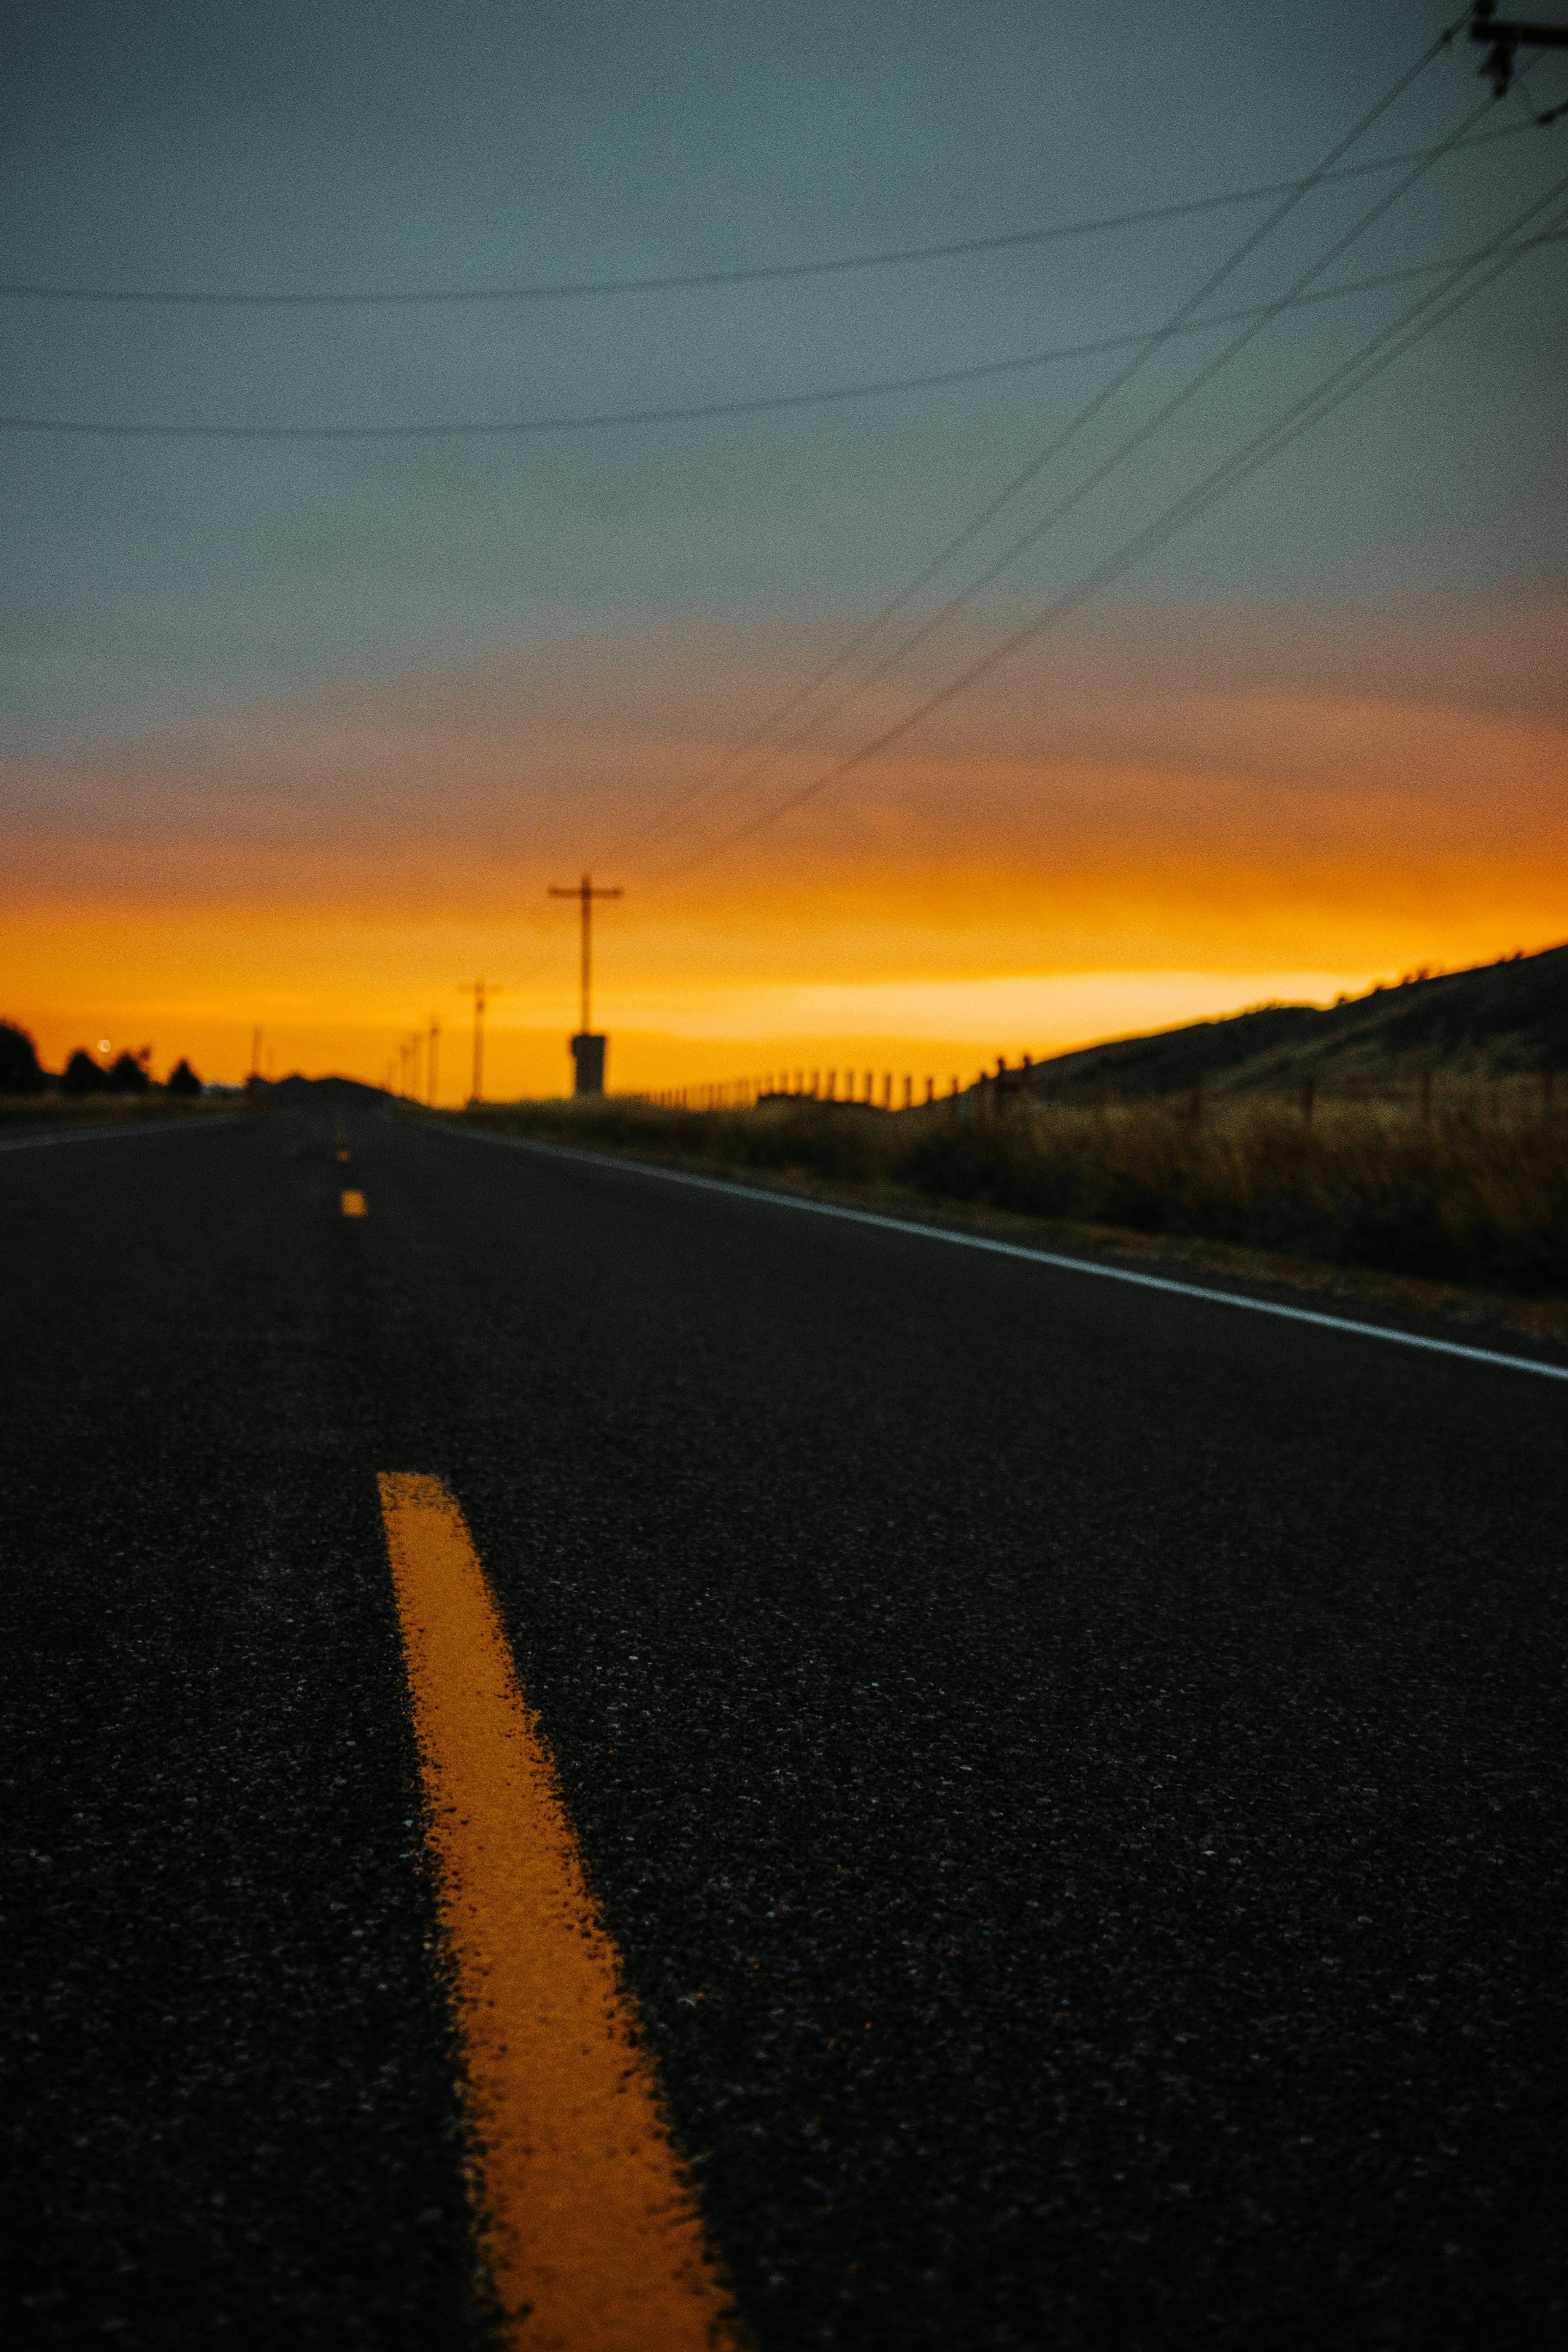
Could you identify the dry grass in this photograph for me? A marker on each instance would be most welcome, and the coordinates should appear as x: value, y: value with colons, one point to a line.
x: 1477, y: 1195
x: 44, y: 1114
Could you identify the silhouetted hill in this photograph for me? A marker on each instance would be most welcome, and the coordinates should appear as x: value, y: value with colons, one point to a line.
x: 1499, y: 1020
x: 297, y: 1091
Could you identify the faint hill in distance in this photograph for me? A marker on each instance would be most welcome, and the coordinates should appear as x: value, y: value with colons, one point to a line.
x: 298, y: 1092
x: 1499, y: 1021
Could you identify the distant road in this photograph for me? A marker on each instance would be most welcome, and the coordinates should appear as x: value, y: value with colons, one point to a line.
x: 1071, y: 1776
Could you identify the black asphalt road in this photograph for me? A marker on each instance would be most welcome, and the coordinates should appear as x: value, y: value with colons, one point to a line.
x: 1076, y: 1774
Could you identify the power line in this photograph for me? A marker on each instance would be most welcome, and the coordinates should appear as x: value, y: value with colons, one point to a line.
x: 1214, y: 485
x: 1059, y: 441
x: 753, y: 274
x: 1261, y: 318
x: 938, y: 380
x: 1332, y: 390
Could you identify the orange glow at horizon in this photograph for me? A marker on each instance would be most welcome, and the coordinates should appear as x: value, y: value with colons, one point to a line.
x: 1161, y: 821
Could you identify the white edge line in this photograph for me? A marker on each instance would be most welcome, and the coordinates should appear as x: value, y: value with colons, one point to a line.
x: 1015, y: 1249
x: 102, y: 1134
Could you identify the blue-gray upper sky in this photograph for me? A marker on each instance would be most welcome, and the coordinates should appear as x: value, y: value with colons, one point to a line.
x: 366, y: 146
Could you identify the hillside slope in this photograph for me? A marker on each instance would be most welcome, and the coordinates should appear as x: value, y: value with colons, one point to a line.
x: 1501, y: 1021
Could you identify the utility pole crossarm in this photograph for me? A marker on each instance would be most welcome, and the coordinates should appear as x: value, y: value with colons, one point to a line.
x: 1505, y: 37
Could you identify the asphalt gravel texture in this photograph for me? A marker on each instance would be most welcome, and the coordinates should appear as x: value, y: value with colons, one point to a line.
x: 1075, y: 1774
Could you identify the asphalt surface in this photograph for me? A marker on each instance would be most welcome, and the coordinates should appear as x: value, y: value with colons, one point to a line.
x: 1076, y: 1774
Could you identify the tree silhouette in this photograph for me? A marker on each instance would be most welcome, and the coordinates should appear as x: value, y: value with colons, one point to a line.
x: 129, y: 1076
x: 183, y: 1079
x: 83, y: 1074
x: 19, y: 1071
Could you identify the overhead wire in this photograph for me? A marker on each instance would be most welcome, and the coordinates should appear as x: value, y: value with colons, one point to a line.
x: 1183, y: 322
x: 681, y: 801
x: 878, y: 388
x: 1340, y: 385
x: 1262, y: 316
x: 760, y: 273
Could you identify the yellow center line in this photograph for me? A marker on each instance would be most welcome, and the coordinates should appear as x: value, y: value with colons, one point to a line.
x: 592, y: 2232
x: 353, y: 1204
x: 343, y: 1154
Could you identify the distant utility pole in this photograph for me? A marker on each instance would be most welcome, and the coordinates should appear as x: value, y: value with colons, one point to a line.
x: 1506, y: 38
x: 585, y: 894
x: 434, y: 1034
x: 255, y: 1053
x: 481, y: 991
x: 588, y: 1051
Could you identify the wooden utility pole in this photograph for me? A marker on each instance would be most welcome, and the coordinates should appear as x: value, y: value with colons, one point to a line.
x: 588, y: 1051
x: 481, y: 991
x: 434, y: 1035
x: 585, y: 894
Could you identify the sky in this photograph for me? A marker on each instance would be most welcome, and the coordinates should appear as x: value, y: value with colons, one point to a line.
x: 295, y: 734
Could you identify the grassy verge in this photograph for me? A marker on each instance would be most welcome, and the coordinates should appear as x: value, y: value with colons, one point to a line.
x: 46, y: 1114
x: 1463, y: 1216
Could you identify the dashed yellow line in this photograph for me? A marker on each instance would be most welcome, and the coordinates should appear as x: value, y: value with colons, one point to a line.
x: 353, y: 1204
x: 592, y: 2233
x: 342, y: 1153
